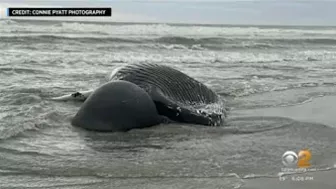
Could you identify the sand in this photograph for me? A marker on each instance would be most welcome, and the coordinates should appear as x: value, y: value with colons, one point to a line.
x: 320, y: 110
x: 317, y: 180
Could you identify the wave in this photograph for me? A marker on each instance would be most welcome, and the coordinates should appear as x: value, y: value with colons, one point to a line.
x: 168, y: 29
x: 206, y: 37
x: 296, y: 172
x: 7, y: 22
x: 264, y: 42
x: 243, y: 89
x: 197, y: 43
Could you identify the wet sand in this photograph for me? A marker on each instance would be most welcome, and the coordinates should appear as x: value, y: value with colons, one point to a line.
x: 320, y: 110
x: 324, y: 179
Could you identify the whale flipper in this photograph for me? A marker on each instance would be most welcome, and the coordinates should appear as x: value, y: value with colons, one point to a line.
x: 179, y: 113
x: 76, y: 96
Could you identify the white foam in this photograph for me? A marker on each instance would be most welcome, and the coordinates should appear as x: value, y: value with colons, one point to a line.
x: 155, y: 30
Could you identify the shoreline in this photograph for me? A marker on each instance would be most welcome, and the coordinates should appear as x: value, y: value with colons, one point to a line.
x: 319, y: 110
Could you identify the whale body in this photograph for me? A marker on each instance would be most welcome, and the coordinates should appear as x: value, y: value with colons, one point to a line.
x: 171, y: 93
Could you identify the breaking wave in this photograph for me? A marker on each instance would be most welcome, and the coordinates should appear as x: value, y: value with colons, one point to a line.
x: 211, y: 43
x: 197, y: 37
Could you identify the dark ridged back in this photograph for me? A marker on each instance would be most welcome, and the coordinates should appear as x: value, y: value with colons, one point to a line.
x: 173, y: 84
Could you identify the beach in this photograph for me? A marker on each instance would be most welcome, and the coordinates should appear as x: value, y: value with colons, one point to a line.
x: 278, y: 82
x: 319, y: 110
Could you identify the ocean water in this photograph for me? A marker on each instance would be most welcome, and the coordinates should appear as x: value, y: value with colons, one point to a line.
x: 252, y: 67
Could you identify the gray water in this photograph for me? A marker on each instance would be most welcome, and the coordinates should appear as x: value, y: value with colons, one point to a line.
x: 252, y: 67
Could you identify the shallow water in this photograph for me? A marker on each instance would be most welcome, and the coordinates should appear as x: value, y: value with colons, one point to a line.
x: 253, y: 68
